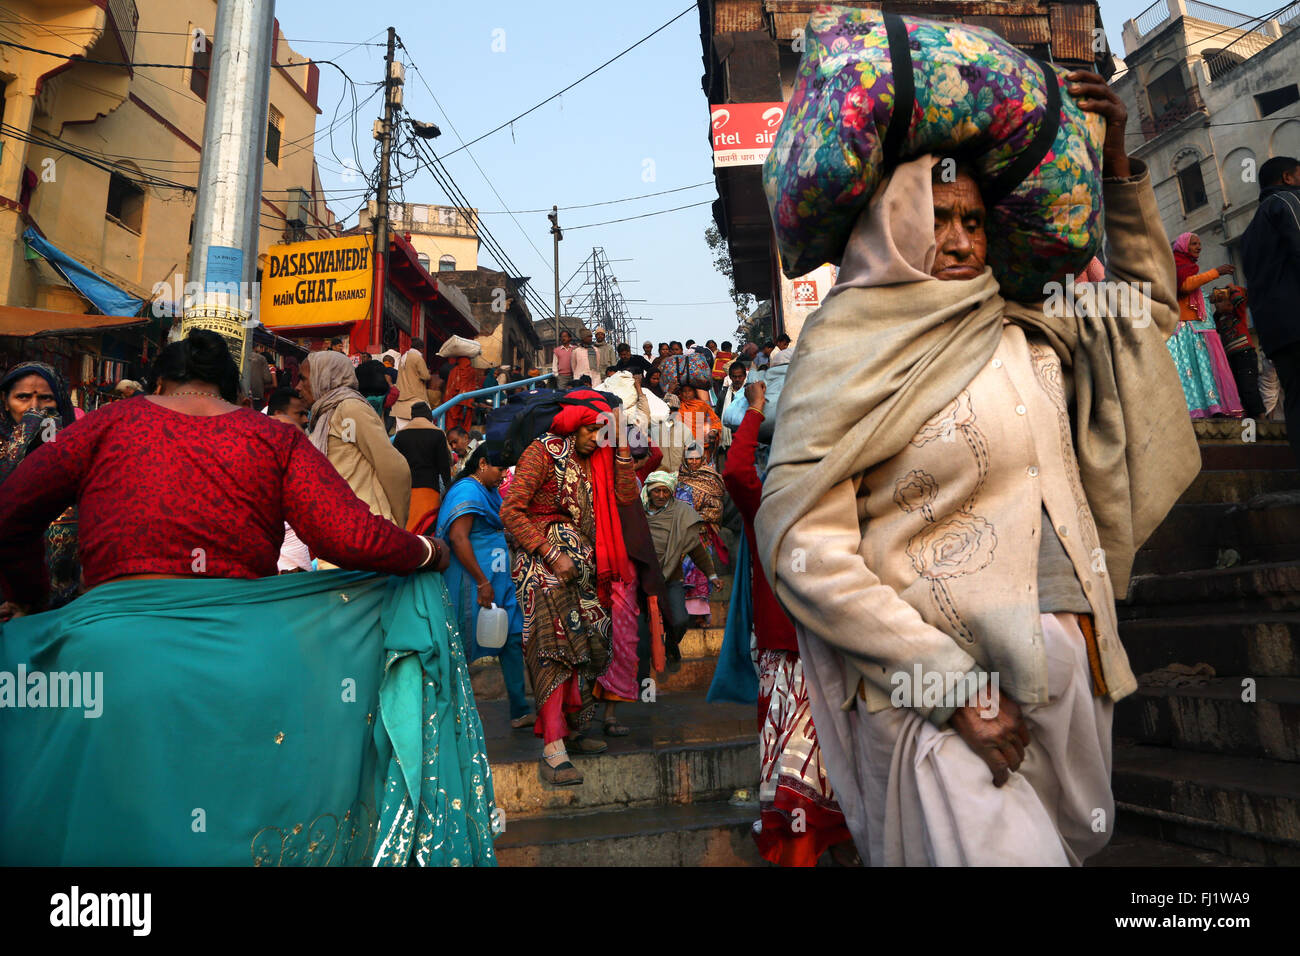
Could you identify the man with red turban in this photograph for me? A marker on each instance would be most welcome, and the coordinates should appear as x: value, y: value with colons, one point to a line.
x: 562, y: 510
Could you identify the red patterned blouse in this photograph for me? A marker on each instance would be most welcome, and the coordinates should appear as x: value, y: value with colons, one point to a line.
x: 162, y: 492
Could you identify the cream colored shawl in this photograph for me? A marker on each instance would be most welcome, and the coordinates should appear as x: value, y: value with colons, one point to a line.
x: 878, y: 360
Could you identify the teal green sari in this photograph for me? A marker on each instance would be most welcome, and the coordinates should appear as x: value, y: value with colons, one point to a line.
x: 317, y: 719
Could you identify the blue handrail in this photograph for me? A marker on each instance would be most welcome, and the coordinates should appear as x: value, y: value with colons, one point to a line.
x: 440, y: 413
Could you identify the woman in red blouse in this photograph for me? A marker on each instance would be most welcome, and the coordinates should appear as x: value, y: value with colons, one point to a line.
x: 188, y: 484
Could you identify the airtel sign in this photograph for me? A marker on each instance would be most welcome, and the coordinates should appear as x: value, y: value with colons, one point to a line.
x: 743, y: 133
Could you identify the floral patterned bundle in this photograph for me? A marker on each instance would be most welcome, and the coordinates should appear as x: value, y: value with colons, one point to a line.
x: 968, y: 92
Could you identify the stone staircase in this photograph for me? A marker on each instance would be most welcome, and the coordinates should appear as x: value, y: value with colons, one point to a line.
x: 666, y: 795
x: 1201, y: 778
x: 1198, y: 762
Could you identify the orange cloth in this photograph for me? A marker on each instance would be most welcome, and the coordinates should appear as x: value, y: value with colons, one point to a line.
x: 1187, y: 289
x: 424, y: 510
x: 463, y: 378
x: 700, y: 418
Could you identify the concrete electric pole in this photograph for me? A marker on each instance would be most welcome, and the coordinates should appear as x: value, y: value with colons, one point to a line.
x: 223, y: 259
x: 392, y: 82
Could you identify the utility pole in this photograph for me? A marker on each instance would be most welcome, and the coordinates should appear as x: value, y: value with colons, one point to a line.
x: 557, y: 234
x: 226, y: 214
x: 391, y: 82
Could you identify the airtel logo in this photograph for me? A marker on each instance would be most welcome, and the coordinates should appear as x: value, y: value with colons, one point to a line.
x: 773, y: 116
x: 720, y: 118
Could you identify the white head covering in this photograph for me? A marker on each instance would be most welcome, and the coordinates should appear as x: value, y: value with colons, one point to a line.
x: 893, y: 239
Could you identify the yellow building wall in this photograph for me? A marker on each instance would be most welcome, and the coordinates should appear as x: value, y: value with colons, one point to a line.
x: 152, y: 123
x: 463, y: 249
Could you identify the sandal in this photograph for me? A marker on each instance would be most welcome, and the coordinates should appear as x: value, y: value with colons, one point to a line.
x: 565, y: 775
x: 614, y: 729
x: 584, y: 746
x: 527, y: 720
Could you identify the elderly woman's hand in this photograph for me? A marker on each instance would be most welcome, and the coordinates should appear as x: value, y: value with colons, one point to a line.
x: 1094, y: 96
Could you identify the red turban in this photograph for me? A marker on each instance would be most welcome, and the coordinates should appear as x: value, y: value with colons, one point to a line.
x: 573, y: 417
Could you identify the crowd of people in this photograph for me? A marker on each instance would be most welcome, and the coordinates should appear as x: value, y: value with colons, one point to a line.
x: 931, y: 505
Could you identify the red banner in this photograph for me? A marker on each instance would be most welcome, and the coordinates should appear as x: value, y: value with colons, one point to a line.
x: 743, y: 132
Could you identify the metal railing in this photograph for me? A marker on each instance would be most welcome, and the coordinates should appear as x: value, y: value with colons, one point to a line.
x: 1213, y: 14
x: 1152, y: 17
x: 1175, y: 112
x: 440, y: 413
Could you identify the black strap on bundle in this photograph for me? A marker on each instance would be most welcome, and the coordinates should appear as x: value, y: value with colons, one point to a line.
x: 1028, y: 161
x: 900, y: 64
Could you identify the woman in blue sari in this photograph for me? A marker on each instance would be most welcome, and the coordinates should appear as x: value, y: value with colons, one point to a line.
x: 479, y: 576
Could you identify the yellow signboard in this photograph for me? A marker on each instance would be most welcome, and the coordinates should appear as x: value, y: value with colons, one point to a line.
x: 317, y: 283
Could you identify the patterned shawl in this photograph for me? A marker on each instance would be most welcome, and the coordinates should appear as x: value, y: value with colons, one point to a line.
x: 706, y: 488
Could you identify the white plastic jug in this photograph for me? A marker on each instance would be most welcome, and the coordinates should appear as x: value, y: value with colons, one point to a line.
x: 492, y: 625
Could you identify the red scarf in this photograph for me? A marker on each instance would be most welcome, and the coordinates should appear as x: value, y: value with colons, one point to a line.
x: 612, y: 563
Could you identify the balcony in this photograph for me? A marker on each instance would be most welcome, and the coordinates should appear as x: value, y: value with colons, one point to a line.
x: 1172, y: 112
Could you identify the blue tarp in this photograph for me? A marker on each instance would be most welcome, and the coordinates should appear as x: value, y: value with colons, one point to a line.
x: 106, y: 297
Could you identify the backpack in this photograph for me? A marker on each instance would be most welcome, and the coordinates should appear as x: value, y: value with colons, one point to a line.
x: 532, y: 419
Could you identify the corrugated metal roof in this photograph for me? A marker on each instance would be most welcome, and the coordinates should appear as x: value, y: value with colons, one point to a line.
x: 32, y: 322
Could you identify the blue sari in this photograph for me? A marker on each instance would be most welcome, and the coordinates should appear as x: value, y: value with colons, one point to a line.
x: 488, y: 539
x: 318, y: 719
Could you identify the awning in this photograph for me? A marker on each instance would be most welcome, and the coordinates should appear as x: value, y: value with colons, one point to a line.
x: 105, y: 296
x: 33, y: 322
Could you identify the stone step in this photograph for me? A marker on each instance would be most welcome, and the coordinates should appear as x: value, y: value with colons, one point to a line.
x: 1263, y: 645
x: 1253, y: 588
x: 1213, y: 717
x: 680, y: 750
x: 702, y: 642
x: 1266, y: 528
x: 1243, y: 806
x: 1218, y: 486
x: 704, y: 834
x: 1131, y: 847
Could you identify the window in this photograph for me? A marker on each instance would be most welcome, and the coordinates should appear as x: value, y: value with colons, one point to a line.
x: 424, y: 261
x: 1274, y: 100
x: 447, y: 264
x: 201, y: 64
x: 274, y: 129
x: 1192, y: 186
x: 125, y: 202
x: 1166, y: 93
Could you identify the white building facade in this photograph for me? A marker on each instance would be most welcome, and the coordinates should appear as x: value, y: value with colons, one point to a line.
x: 1210, y: 97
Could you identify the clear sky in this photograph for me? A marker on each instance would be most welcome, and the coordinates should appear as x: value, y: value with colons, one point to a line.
x: 639, y: 126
